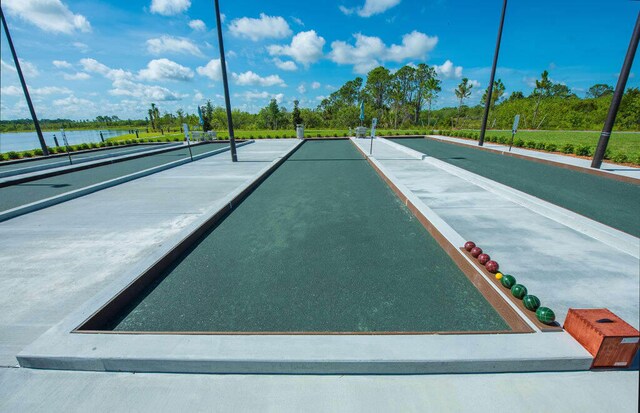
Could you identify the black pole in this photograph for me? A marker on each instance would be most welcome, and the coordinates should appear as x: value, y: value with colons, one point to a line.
x: 223, y: 64
x: 493, y: 75
x: 617, y: 97
x: 43, y: 145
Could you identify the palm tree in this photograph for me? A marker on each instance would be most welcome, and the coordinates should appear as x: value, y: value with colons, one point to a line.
x: 462, y: 92
x: 153, y: 125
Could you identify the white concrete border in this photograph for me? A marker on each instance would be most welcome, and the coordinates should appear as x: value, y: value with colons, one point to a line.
x: 58, y: 199
x: 58, y: 348
x: 610, y: 236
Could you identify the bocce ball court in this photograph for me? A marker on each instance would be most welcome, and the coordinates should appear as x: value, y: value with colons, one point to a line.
x: 322, y: 245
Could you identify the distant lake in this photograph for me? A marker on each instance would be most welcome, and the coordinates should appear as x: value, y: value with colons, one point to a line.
x: 24, y: 141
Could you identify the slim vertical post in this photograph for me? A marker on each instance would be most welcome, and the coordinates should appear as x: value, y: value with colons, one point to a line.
x: 487, y: 104
x: 227, y: 100
x: 617, y: 97
x: 43, y: 145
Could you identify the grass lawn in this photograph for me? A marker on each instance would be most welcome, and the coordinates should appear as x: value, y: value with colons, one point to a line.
x: 625, y: 142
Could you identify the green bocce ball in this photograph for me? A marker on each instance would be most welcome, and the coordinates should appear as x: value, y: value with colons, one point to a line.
x: 519, y: 291
x: 508, y: 281
x: 545, y: 315
x: 531, y: 302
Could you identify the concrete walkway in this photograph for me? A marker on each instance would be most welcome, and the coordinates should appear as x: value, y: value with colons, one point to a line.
x: 565, y: 259
x: 612, y: 168
x: 24, y: 390
x: 55, y: 259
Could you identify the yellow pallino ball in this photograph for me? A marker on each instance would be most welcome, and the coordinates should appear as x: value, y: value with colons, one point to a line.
x: 498, y: 275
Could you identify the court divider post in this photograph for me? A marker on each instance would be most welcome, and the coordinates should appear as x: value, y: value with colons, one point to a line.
x: 487, y: 104
x: 227, y: 100
x: 617, y: 97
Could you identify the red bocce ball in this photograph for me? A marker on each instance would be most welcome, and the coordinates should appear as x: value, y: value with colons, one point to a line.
x: 492, y: 267
x: 483, y: 258
x: 475, y: 251
x: 469, y: 245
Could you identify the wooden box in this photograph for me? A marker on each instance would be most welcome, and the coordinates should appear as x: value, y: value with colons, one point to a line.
x: 610, y: 340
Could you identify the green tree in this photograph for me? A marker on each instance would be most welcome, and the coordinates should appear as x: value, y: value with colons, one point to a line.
x: 431, y: 90
x: 402, y: 91
x: 463, y: 91
x: 542, y: 90
x: 423, y: 75
x: 295, y: 114
x: 599, y: 90
x: 377, y: 89
x: 496, y: 94
x: 207, y: 116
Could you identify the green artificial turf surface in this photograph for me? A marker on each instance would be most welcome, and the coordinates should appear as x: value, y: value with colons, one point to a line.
x: 323, y: 245
x: 76, y: 157
x: 605, y: 200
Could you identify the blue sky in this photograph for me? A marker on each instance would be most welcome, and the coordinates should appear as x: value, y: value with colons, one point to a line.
x: 84, y: 58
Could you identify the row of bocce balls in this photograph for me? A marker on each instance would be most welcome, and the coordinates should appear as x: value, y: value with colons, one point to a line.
x: 531, y: 302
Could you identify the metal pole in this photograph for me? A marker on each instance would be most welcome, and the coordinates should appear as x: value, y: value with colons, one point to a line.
x: 43, y: 145
x: 223, y: 63
x: 617, y: 97
x: 493, y: 75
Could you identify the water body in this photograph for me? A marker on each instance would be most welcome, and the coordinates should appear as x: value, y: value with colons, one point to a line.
x: 24, y: 141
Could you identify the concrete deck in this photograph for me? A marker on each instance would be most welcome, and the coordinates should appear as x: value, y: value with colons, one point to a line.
x: 77, y: 266
x: 25, y: 390
x: 564, y: 258
x: 609, y: 167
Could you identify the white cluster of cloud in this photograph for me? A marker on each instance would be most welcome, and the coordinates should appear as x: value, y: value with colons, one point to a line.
x: 253, y: 79
x: 62, y: 64
x: 305, y: 48
x: 169, y: 7
x: 448, y: 70
x: 198, y: 25
x: 252, y: 95
x: 370, y: 8
x: 76, y: 76
x: 266, y: 27
x: 123, y: 81
x: 171, y: 44
x: 369, y: 51
x: 286, y: 65
x: 42, y: 91
x: 212, y: 70
x: 48, y: 15
x: 123, y: 87
x: 315, y: 85
x: 165, y: 69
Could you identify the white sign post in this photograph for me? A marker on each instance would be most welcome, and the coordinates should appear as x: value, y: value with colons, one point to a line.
x: 66, y: 145
x: 185, y: 127
x: 514, y: 129
x: 374, y: 123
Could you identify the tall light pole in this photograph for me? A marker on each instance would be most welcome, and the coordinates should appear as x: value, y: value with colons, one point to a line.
x: 617, y: 97
x: 227, y: 100
x: 43, y: 145
x: 487, y: 104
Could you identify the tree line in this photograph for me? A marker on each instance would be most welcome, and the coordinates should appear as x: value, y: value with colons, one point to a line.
x: 399, y: 100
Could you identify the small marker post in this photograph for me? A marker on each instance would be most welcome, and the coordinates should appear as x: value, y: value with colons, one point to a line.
x: 186, y: 136
x: 514, y: 129
x: 66, y: 145
x: 374, y: 123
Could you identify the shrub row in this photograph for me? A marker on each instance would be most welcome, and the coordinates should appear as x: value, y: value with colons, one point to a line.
x: 569, y: 149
